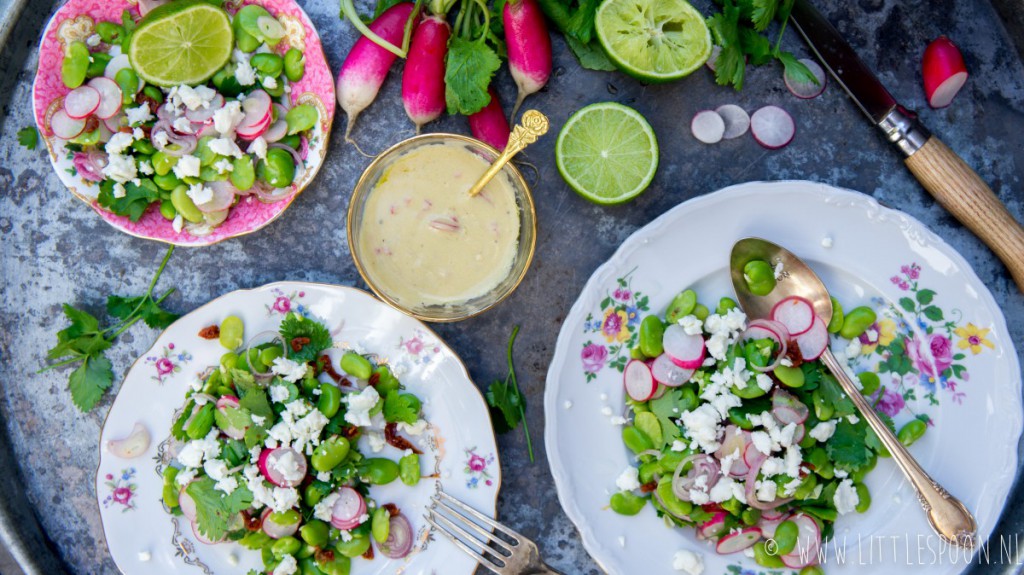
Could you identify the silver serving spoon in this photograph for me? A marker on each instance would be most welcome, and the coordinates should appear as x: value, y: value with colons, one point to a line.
x: 947, y: 515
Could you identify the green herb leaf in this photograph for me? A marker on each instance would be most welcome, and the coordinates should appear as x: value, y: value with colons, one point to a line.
x: 796, y: 70
x: 832, y: 393
x: 848, y: 447
x: 150, y: 312
x: 89, y: 381
x: 28, y: 137
x: 666, y: 407
x: 581, y: 23
x: 591, y: 55
x: 469, y: 67
x: 730, y: 66
x: 756, y: 46
x: 135, y: 201
x: 214, y: 509
x: 763, y: 13
x: 505, y: 406
x: 401, y: 407
x: 295, y: 325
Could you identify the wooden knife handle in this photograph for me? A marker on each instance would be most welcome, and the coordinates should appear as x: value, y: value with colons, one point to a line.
x: 961, y: 191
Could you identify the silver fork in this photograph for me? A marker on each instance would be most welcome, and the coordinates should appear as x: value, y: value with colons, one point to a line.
x: 513, y: 555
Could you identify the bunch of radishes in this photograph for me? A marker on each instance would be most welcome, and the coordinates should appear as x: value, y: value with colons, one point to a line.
x: 424, y: 41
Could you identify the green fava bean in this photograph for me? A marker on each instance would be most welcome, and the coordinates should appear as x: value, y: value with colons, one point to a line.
x: 286, y: 546
x: 626, y: 503
x: 822, y: 409
x: 857, y: 321
x: 336, y: 566
x: 724, y: 305
x: 185, y: 206
x: 294, y: 141
x: 354, y: 547
x: 836, y: 323
x: 243, y: 174
x: 153, y: 93
x: 314, y: 492
x: 378, y: 471
x: 167, y: 181
x: 648, y: 423
x: 267, y: 356
x: 636, y: 440
x: 268, y: 63
x: 294, y: 65
x: 170, y: 495
x: 751, y: 516
x: 277, y: 91
x: 790, y: 376
x: 301, y: 118
x: 98, y: 65
x: 409, y: 469
x: 289, y: 517
x: 682, y: 305
x: 110, y: 32
x: 356, y: 365
x: 128, y: 81
x: 863, y: 498
x: 869, y: 382
x: 163, y: 163
x: 701, y: 312
x: 760, y: 277
x: 812, y: 570
x: 652, y: 331
x: 911, y: 432
x: 767, y: 559
x: 167, y: 210
x: 330, y: 453
x: 330, y: 400
x: 202, y: 423
x: 75, y: 65
x: 380, y: 524
x: 786, y: 535
x: 670, y: 502
x: 278, y: 169
x: 245, y: 41
x: 232, y: 331
x: 314, y: 533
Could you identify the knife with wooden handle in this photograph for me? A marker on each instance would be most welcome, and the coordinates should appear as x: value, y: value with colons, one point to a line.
x: 940, y: 170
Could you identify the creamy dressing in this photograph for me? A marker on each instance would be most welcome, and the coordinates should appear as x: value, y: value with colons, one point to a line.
x: 426, y: 241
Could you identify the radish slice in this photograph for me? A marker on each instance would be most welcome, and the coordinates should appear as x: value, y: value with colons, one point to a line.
x: 399, y: 541
x: 808, y: 542
x: 115, y: 123
x: 276, y: 530
x: 685, y: 350
x: 738, y: 541
x: 254, y: 131
x: 203, y: 115
x: 230, y: 402
x: 132, y: 446
x: 283, y: 466
x: 203, y: 538
x: 753, y: 457
x: 813, y: 343
x: 64, y: 126
x: 115, y: 65
x: 227, y: 401
x: 788, y: 409
x: 778, y: 328
x: 110, y: 97
x: 736, y: 119
x: 772, y: 127
x: 276, y: 131
x: 257, y: 108
x: 667, y: 372
x: 640, y: 384
x: 713, y: 58
x: 796, y: 313
x: 348, y: 508
x: 659, y: 391
x: 769, y: 525
x: 187, y: 504
x: 81, y: 102
x: 735, y: 441
x: 944, y: 72
x: 799, y: 434
x: 806, y: 90
x: 713, y: 527
x: 708, y: 127
x: 772, y: 514
x: 223, y: 197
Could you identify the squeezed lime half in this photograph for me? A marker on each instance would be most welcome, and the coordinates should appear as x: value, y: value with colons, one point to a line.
x: 184, y: 42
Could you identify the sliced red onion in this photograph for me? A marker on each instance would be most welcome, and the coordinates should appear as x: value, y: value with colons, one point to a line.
x: 703, y: 465
x: 177, y: 144
x: 399, y: 541
x: 771, y: 329
x: 750, y: 484
x: 269, y: 195
x: 90, y: 165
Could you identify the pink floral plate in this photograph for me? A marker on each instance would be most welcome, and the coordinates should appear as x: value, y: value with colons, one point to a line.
x: 459, y: 448
x: 76, y: 20
x: 940, y: 347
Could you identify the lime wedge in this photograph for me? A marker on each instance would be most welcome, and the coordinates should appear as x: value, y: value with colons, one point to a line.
x: 607, y: 152
x: 653, y: 40
x: 183, y: 42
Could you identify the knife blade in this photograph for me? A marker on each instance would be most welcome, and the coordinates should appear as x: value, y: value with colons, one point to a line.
x: 939, y: 169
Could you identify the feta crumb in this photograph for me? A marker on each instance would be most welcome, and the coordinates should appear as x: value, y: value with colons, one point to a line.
x: 119, y: 191
x: 853, y: 419
x: 200, y: 194
x: 258, y: 148
x: 415, y: 429
x: 270, y: 83
x: 359, y: 406
x: 823, y: 431
x: 324, y: 508
x: 118, y: 143
x: 826, y: 242
x: 290, y: 371
x: 567, y: 404
x: 617, y: 420
x: 138, y: 115
x: 853, y: 349
x: 278, y: 394
x: 786, y: 362
x: 629, y: 479
x: 766, y: 490
x: 678, y: 446
x: 146, y: 168
x: 244, y: 72
x: 688, y: 562
x: 257, y: 419
x: 178, y: 223
x: 691, y: 324
x: 764, y: 382
x: 226, y: 119
x: 287, y: 566
x: 225, y: 147
x: 779, y: 269
x: 187, y: 167
x: 376, y: 440
x: 182, y: 125
x: 846, y: 498
x: 762, y: 442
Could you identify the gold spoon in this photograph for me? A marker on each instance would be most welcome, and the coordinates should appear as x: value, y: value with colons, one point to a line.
x: 533, y: 125
x: 947, y: 515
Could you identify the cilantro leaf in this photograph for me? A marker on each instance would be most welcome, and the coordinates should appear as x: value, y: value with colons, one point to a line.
x: 251, y: 396
x: 833, y: 394
x: 796, y: 70
x: 469, y: 67
x: 28, y: 137
x: 295, y: 325
x: 590, y: 55
x: 763, y: 13
x: 90, y: 380
x: 756, y: 46
x: 665, y: 408
x: 178, y: 429
x: 150, y: 311
x: 848, y: 447
x: 505, y: 406
x: 401, y: 407
x: 730, y: 66
x: 872, y: 440
x: 135, y: 201
x: 581, y: 23
x: 214, y: 509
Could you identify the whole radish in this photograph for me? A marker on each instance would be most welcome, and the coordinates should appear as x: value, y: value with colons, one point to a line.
x: 423, y: 77
x: 529, y: 47
x: 944, y: 72
x: 367, y: 64
x: 489, y: 124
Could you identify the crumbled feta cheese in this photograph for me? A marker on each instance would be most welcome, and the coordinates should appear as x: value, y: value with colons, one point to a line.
x: 161, y: 139
x: 244, y: 72
x: 217, y: 469
x: 762, y: 442
x: 728, y: 460
x: 688, y: 562
x: 185, y: 476
x: 375, y: 439
x: 290, y: 371
x: 187, y: 167
x: 567, y: 405
x: 178, y: 223
x: 853, y: 349
x: 279, y: 394
x: 146, y: 168
x: 324, y: 476
x: 138, y: 134
x: 182, y: 125
x: 701, y: 426
x: 823, y: 431
x: 617, y: 420
x: 288, y: 465
x: 766, y: 490
x: 709, y: 361
x: 779, y: 269
x: 723, y: 490
x: 270, y: 83
x: 119, y: 191
x: 118, y: 143
x: 92, y: 42
x: 200, y: 194
x: 826, y: 242
x: 359, y: 406
x: 846, y: 498
x: 225, y: 147
x: 226, y: 485
x: 226, y: 119
x: 138, y: 115
x: 786, y: 362
x: 841, y: 474
x: 793, y: 459
x: 691, y: 324
x: 258, y: 148
x: 764, y: 382
x: 773, y: 466
x: 193, y: 453
x: 629, y: 479
x: 415, y: 429
x: 790, y: 488
x: 678, y: 446
x: 323, y: 509
x: 287, y: 566
x: 258, y: 419
x: 192, y: 98
x: 853, y: 419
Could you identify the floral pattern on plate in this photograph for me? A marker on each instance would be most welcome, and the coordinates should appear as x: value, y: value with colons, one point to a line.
x: 613, y: 331
x: 168, y: 362
x: 476, y: 468
x: 121, y: 489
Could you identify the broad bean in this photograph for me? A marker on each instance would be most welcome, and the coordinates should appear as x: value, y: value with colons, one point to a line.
x: 268, y: 63
x: 330, y: 400
x: 330, y: 453
x: 110, y: 32
x: 380, y: 524
x: 857, y: 321
x: 75, y: 65
x: 760, y: 277
x: 409, y: 469
x: 314, y: 533
x: 286, y: 546
x: 863, y: 498
x: 294, y: 65
x: 626, y: 503
x: 724, y: 305
x: 838, y: 317
x: 786, y: 535
x: 636, y: 440
x: 789, y: 376
x: 301, y: 118
x: 682, y: 305
x: 356, y: 365
x: 184, y: 204
x: 167, y: 210
x: 232, y: 331
x: 652, y: 331
x: 378, y: 470
x: 911, y: 432
x: 354, y: 547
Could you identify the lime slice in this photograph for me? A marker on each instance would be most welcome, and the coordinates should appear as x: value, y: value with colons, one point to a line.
x: 184, y: 42
x: 653, y: 40
x: 607, y: 152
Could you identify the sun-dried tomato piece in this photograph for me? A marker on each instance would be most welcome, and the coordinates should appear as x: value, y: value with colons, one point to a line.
x: 397, y: 441
x: 210, y: 332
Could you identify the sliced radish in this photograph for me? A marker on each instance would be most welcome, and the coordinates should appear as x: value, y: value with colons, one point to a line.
x: 276, y: 131
x: 807, y: 89
x: 227, y: 401
x: 667, y: 372
x: 257, y: 108
x: 223, y: 197
x: 781, y: 331
x: 202, y: 115
x: 799, y: 434
x: 813, y: 343
x: 713, y: 58
x: 944, y: 72
x: 64, y: 126
x: 110, y: 97
x: 276, y: 530
x: 713, y: 527
x: 808, y: 542
x: 769, y: 525
x: 738, y: 540
x: 640, y: 384
x: 753, y: 457
x: 81, y: 102
x: 685, y: 350
x: 187, y: 504
x: 736, y: 119
x: 116, y: 122
x: 660, y: 391
x: 115, y: 65
x: 772, y: 514
x: 348, y: 508
x: 772, y: 127
x: 283, y: 466
x: 796, y: 313
x: 708, y: 127
x: 251, y: 132
x: 203, y: 538
x: 787, y: 408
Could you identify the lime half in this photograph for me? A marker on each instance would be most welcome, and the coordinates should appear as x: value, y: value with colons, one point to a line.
x: 607, y: 152
x: 653, y: 40
x: 184, y: 42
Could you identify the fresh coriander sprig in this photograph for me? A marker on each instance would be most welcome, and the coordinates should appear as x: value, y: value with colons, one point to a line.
x: 84, y: 341
x: 508, y: 406
x: 28, y: 137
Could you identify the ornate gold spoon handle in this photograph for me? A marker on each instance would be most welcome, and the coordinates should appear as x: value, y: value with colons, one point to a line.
x: 534, y: 125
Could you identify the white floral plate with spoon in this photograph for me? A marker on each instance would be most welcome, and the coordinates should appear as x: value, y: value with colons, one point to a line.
x: 459, y: 447
x: 927, y: 298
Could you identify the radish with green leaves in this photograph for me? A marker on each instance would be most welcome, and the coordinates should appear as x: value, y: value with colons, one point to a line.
x: 489, y: 125
x: 423, y: 77
x: 529, y: 47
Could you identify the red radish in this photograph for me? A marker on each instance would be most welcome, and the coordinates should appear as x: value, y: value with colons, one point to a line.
x: 276, y: 530
x: 64, y: 126
x: 753, y: 457
x: 735, y: 441
x: 489, y: 125
x: 399, y: 541
x: 713, y: 527
x: 367, y: 64
x: 204, y: 130
x: 787, y: 408
x: 736, y: 119
x: 203, y: 538
x: 708, y: 127
x: 81, y: 102
x: 772, y: 127
x: 796, y: 313
x: 769, y: 523
x: 276, y: 131
x: 348, y: 508
x: 203, y: 115
x: 799, y: 434
x: 116, y: 64
x: 944, y: 72
x: 667, y: 372
x: 283, y: 466
x: 423, y: 76
x: 659, y: 391
x: 806, y: 90
x: 738, y: 541
x: 773, y: 514
x: 713, y: 58
x: 187, y: 504
x: 257, y: 108
x: 808, y: 542
x: 115, y: 123
x: 227, y: 401
x: 813, y: 343
x: 110, y: 97
x: 529, y: 47
x: 685, y: 350
x: 639, y: 382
